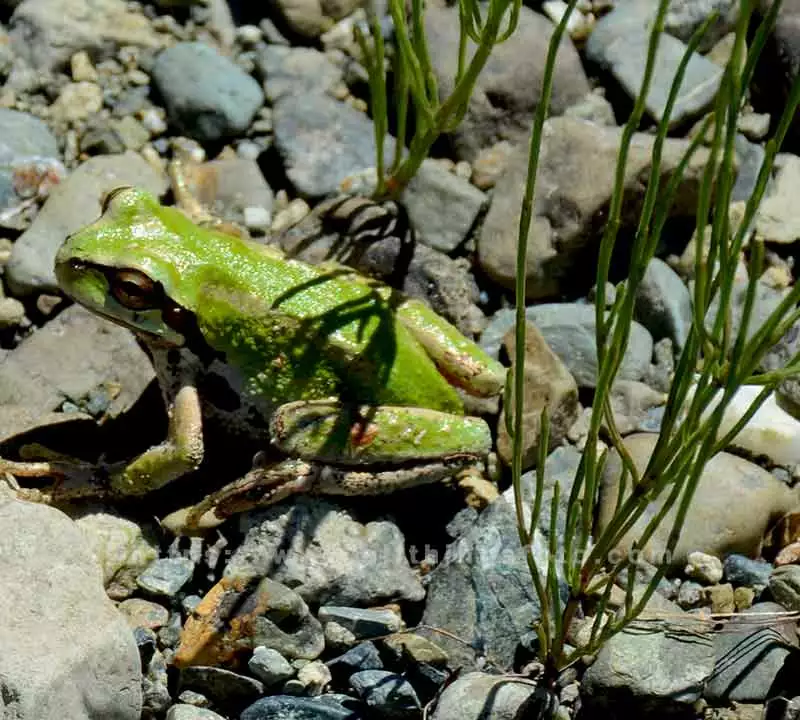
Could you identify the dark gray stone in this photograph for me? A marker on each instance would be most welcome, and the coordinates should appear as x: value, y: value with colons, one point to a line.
x: 228, y: 690
x: 361, y: 622
x: 385, y: 693
x: 207, y: 96
x: 742, y: 570
x: 282, y: 707
x: 269, y: 666
x: 364, y: 656
x: 754, y: 662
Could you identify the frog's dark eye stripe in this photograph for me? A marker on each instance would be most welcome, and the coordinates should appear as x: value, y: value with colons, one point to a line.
x: 134, y: 290
x: 105, y: 201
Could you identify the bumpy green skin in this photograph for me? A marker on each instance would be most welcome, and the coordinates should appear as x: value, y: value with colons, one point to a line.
x: 292, y: 331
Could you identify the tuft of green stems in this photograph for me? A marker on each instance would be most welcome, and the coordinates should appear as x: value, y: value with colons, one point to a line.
x: 415, y: 89
x: 715, y: 362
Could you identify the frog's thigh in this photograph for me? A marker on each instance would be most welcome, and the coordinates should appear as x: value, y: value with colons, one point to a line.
x: 180, y: 453
x: 346, y: 434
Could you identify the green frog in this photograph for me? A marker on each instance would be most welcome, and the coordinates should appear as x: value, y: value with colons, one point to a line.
x: 351, y: 382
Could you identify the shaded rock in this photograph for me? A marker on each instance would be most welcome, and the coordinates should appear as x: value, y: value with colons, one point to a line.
x: 741, y: 570
x: 155, y: 684
x: 269, y: 666
x: 645, y: 669
x: 734, y: 504
x: 386, y: 693
x: 71, y: 205
x: 312, y: 18
x: 241, y: 613
x: 362, y: 622
x: 318, y: 548
x: 663, y: 304
x: 784, y: 584
x: 122, y: 550
x: 228, y: 690
x: 207, y: 96
x: 67, y: 653
x: 548, y: 384
x: 753, y: 662
x: 476, y: 696
x: 482, y: 590
x: 46, y: 33
x: 574, y: 185
x: 509, y: 87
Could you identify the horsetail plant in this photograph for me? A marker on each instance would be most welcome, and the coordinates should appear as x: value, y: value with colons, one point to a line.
x: 415, y: 86
x: 715, y: 362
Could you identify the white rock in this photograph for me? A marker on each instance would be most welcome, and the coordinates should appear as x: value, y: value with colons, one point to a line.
x: 67, y: 651
x: 705, y: 567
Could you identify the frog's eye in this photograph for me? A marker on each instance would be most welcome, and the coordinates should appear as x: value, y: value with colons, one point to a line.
x: 105, y: 201
x: 134, y: 290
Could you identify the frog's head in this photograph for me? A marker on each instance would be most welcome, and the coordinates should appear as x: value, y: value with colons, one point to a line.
x: 126, y: 266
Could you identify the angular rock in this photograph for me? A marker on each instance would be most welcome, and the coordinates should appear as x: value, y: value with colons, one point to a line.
x: 663, y: 304
x: 482, y: 589
x: 269, y: 666
x: 71, y: 205
x: 318, y: 548
x: 166, y: 576
x: 228, y: 690
x: 67, y: 651
x: 509, y: 87
x: 386, y: 693
x: 734, y: 504
x: 361, y: 622
x: 573, y: 191
x: 298, y: 708
x: 548, y: 384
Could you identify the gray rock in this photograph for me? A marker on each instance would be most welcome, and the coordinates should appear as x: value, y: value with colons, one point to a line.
x: 593, y: 107
x: 166, y: 576
x: 753, y: 663
x: 75, y: 358
x: 326, y: 556
x: 323, y: 141
x: 71, y: 205
x: 364, y: 656
x: 690, y: 595
x: 482, y: 589
x: 28, y: 155
x: 144, y: 613
x: 647, y: 669
x: 433, y: 188
x: 228, y: 690
x: 509, y: 87
x: 46, y: 33
x: 569, y: 330
x: 298, y: 708
x: 749, y: 158
x: 190, y: 712
x: 734, y: 504
x: 784, y: 584
x: 269, y: 666
x: 312, y: 18
x: 741, y: 570
x: 620, y: 47
x: 632, y: 403
x: 548, y: 385
x: 476, y: 696
x: 67, y: 651
x: 122, y: 548
x: 574, y: 187
x: 207, y: 96
x: 361, y: 622
x: 663, y: 304
x: 296, y: 71
x: 385, y: 693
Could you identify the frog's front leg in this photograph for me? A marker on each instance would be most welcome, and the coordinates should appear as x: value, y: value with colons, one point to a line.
x: 180, y: 453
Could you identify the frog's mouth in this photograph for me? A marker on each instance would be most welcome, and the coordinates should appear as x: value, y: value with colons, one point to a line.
x: 126, y: 297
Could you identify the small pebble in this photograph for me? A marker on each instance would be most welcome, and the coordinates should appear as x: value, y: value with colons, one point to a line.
x: 741, y: 570
x: 704, y: 567
x: 81, y: 67
x: 257, y: 218
x: 291, y: 215
x: 190, y: 697
x: 690, y: 595
x: 269, y: 666
x: 387, y: 693
x: 314, y: 677
x: 249, y: 34
x: 166, y: 576
x: 721, y: 598
x: 143, y: 613
x: 12, y: 313
x: 743, y: 598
